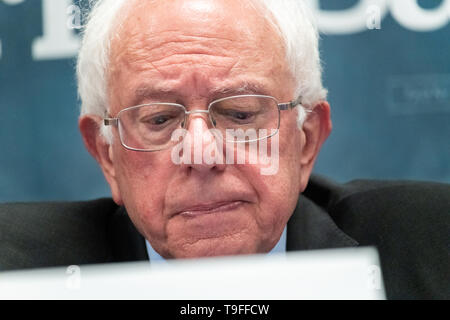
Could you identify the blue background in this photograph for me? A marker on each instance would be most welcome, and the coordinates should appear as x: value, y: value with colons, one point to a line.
x: 389, y: 90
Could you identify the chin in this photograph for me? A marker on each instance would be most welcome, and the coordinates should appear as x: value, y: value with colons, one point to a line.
x: 217, y: 247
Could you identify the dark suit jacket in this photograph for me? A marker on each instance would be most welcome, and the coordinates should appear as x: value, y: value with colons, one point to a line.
x: 407, y: 221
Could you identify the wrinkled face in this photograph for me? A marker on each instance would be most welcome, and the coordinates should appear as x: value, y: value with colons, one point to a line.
x: 193, y: 52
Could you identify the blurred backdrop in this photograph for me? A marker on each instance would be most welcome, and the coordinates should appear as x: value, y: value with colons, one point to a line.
x: 386, y: 65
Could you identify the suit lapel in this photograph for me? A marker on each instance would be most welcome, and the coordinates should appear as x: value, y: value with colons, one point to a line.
x: 127, y: 244
x: 310, y: 227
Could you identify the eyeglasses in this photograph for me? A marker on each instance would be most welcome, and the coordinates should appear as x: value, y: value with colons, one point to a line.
x: 149, y: 127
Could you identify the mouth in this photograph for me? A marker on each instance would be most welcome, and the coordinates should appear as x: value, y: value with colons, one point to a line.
x: 205, y: 209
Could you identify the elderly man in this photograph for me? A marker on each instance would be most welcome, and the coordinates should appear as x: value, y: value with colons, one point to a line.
x: 173, y: 93
x: 193, y: 53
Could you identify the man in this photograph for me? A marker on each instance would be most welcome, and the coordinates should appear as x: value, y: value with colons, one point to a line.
x: 192, y: 53
x: 169, y: 90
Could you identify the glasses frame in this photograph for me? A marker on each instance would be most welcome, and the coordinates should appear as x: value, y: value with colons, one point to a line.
x: 281, y: 107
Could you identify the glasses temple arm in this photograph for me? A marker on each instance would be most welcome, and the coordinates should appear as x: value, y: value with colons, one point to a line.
x: 110, y: 121
x: 290, y: 105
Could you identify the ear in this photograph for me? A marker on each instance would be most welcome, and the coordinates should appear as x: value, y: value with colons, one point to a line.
x: 316, y: 129
x: 101, y: 150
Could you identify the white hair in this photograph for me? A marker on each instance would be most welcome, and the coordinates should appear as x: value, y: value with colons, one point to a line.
x: 292, y: 18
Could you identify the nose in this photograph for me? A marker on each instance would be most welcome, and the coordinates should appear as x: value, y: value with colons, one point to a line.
x: 206, y: 151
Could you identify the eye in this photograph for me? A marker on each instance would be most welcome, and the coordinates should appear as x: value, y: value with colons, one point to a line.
x: 239, y: 116
x: 158, y: 120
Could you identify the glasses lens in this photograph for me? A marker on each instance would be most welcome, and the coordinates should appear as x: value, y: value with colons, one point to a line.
x: 246, y: 118
x: 150, y: 127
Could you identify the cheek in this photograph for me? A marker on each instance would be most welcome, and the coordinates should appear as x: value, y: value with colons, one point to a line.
x: 283, y: 188
x: 143, y: 179
x: 277, y: 193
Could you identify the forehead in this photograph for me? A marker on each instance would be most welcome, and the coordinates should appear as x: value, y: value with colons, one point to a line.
x: 168, y: 39
x: 226, y: 18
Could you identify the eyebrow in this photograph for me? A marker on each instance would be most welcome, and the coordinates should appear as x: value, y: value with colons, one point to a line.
x: 242, y: 88
x: 147, y: 91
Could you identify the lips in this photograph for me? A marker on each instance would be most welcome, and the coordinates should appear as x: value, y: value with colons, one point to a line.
x: 209, y: 208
